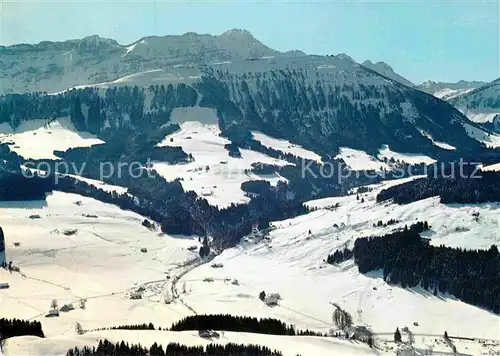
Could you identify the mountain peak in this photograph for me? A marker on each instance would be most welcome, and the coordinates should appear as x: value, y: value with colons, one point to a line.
x: 237, y: 32
x: 387, y: 71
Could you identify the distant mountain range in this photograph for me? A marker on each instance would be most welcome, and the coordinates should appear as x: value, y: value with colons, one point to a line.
x: 448, y: 91
x: 55, y: 66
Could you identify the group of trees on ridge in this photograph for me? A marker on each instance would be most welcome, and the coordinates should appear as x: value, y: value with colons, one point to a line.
x: 234, y: 323
x: 107, y: 348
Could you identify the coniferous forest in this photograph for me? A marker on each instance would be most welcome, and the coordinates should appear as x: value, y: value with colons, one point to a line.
x: 406, y: 258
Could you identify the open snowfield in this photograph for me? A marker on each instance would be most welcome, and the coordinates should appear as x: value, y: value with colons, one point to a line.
x: 360, y: 160
x: 285, y: 146
x: 38, y: 140
x: 101, y: 262
x: 289, y: 345
x: 221, y: 183
x: 292, y: 264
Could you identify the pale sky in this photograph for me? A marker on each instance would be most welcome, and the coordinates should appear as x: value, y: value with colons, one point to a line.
x: 421, y: 40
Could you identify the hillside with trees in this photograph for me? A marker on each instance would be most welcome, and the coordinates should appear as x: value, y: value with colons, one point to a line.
x: 409, y: 260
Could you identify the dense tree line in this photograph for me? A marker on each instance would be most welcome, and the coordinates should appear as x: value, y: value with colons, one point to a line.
x: 17, y: 327
x: 234, y: 323
x: 107, y: 348
x: 100, y: 113
x: 472, y: 276
x: 16, y: 186
x: 462, y: 190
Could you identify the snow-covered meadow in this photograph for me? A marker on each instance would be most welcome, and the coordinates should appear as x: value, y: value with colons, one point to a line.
x: 213, y: 174
x: 72, y: 248
x: 38, y: 139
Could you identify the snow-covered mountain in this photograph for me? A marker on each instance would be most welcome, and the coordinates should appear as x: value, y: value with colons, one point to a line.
x: 55, y: 66
x: 447, y: 91
x: 386, y: 70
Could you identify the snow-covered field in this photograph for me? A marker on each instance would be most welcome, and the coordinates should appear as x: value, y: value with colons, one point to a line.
x: 100, y: 260
x: 360, y: 160
x: 213, y: 174
x: 38, y: 140
x: 72, y: 248
x: 411, y: 158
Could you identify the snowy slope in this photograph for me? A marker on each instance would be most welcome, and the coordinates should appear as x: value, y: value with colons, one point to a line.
x: 56, y: 66
x: 102, y: 262
x: 220, y: 184
x: 291, y: 264
x: 285, y: 146
x: 38, y: 139
x: 360, y: 160
x: 447, y: 93
x: 289, y: 345
x: 489, y: 139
